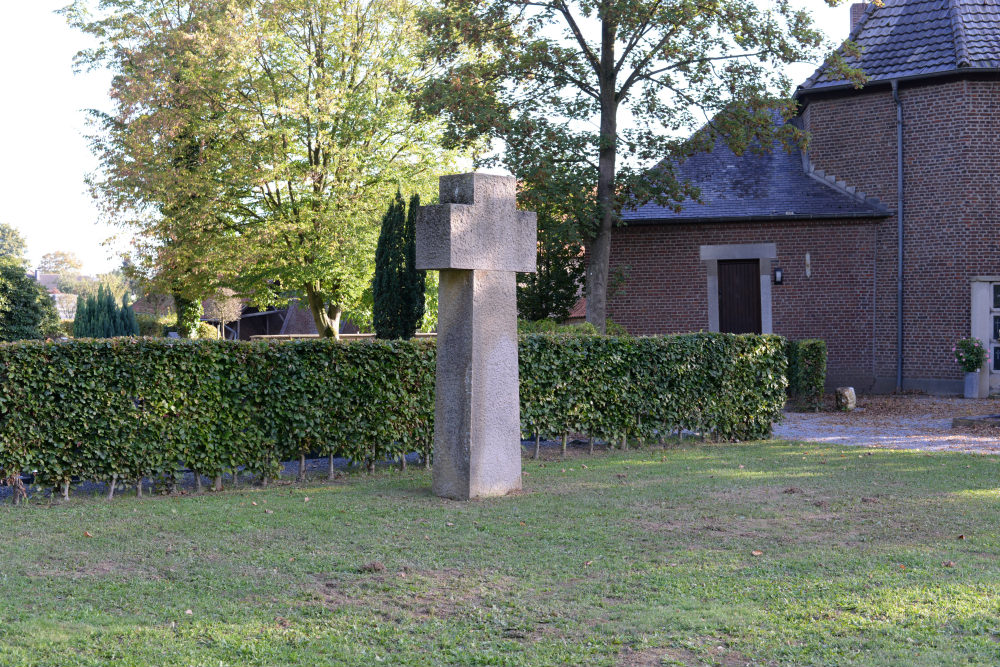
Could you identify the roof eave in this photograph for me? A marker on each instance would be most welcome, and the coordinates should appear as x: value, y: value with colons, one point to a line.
x: 760, y: 218
x: 986, y: 72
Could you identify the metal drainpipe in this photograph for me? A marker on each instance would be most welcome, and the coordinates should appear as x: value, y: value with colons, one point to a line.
x: 899, y: 234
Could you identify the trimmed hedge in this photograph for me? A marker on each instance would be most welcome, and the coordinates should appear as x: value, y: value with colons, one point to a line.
x: 806, y: 370
x: 642, y: 388
x: 130, y: 408
x: 123, y: 409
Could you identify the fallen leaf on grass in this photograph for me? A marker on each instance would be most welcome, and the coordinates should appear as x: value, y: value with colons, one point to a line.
x: 756, y: 553
x: 449, y: 524
x: 960, y: 537
x: 268, y: 511
x: 588, y: 563
x: 949, y: 563
x: 189, y: 612
x: 306, y: 499
x: 254, y: 503
x: 87, y: 534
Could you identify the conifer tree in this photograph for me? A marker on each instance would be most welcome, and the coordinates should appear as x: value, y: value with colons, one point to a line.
x: 397, y: 288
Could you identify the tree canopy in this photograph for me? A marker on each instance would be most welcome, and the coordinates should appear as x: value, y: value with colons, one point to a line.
x: 26, y: 310
x: 12, y: 243
x: 588, y: 95
x: 254, y: 143
x: 60, y: 262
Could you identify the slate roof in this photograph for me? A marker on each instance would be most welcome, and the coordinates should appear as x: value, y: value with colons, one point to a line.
x: 776, y: 185
x: 915, y: 38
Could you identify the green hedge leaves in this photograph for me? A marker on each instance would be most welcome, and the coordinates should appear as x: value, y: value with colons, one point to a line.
x: 643, y: 388
x: 128, y: 408
x: 806, y: 370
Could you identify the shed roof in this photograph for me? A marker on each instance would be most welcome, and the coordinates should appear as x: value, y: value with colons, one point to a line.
x: 759, y: 186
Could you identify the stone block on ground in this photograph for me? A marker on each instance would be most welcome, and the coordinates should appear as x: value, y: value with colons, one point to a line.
x: 847, y: 399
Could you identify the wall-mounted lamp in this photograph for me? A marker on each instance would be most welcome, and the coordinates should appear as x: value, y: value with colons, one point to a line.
x: 779, y: 277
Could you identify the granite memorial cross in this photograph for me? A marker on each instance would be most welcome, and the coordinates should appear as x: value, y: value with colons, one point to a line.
x: 477, y: 239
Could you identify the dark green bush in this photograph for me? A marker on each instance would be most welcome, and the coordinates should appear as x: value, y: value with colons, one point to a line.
x: 26, y: 309
x: 150, y: 326
x: 806, y: 371
x: 128, y: 408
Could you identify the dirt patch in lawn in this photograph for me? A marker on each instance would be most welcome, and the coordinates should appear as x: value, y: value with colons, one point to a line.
x: 657, y: 657
x: 104, y: 569
x: 415, y: 593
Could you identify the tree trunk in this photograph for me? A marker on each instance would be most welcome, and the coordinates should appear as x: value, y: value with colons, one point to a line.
x: 326, y: 317
x: 402, y: 462
x: 590, y: 444
x: 65, y: 489
x: 111, y: 487
x: 218, y: 483
x: 138, y: 489
x: 197, y: 481
x: 302, y: 468
x: 538, y: 445
x: 599, y: 248
x: 565, y: 438
x: 331, y: 474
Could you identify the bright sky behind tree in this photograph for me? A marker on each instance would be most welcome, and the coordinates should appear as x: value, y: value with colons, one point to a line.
x: 45, y: 154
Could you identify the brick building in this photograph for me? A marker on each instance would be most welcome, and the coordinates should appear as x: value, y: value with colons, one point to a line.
x: 813, y: 244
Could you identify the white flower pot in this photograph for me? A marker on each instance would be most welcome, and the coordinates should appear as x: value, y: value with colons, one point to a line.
x: 972, y: 385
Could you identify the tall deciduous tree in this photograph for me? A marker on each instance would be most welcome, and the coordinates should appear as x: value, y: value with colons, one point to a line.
x: 398, y: 288
x: 12, y: 244
x: 224, y: 307
x: 253, y: 142
x: 588, y: 94
x: 60, y: 262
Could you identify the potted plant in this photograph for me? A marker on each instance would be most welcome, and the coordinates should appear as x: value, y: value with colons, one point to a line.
x: 970, y: 355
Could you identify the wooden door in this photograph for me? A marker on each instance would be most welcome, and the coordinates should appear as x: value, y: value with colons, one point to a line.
x: 739, y: 296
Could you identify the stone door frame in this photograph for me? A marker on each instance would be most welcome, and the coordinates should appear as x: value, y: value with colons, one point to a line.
x: 764, y: 252
x: 982, y: 312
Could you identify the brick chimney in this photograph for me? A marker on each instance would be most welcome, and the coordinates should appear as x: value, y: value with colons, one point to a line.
x: 857, y: 11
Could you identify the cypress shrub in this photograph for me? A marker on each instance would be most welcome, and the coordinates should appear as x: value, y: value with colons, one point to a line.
x: 398, y: 288
x: 99, y: 316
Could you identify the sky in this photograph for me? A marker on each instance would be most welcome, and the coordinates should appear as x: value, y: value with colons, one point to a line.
x: 45, y: 155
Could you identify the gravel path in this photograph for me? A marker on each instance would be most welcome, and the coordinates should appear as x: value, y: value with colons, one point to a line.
x: 898, y: 422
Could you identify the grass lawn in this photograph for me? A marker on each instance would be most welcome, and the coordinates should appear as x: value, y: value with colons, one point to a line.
x: 763, y: 554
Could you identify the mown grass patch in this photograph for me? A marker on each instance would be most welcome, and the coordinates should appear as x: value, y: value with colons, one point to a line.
x: 765, y: 554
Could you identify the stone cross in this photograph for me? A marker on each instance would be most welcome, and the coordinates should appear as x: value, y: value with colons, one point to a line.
x: 477, y: 239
